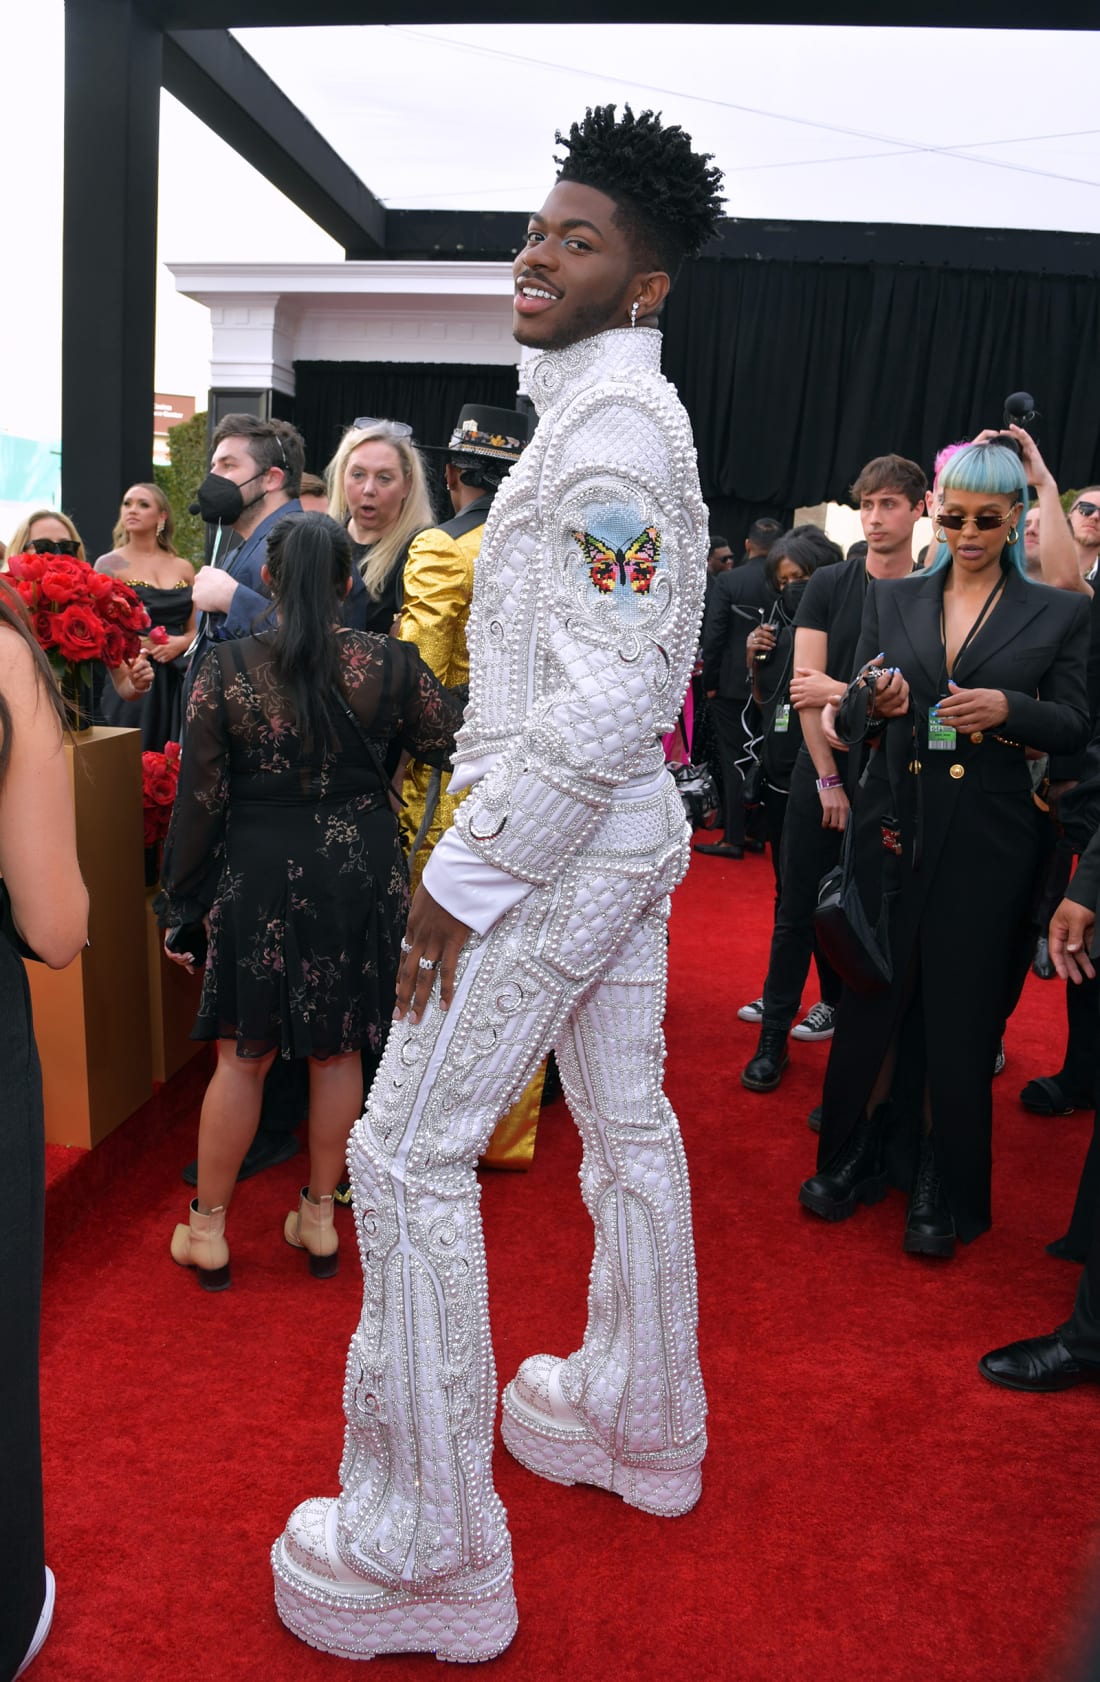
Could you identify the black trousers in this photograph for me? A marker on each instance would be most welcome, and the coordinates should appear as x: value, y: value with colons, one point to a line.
x: 1081, y: 1332
x: 22, y: 1174
x: 775, y: 817
x: 729, y: 736
x: 807, y: 853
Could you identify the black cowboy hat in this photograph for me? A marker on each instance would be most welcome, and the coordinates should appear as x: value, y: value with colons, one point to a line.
x: 499, y: 434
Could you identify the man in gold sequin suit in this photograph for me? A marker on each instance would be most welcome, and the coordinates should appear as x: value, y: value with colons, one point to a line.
x: 540, y: 921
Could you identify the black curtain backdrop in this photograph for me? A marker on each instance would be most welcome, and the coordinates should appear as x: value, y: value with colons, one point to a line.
x: 795, y: 374
x: 429, y: 395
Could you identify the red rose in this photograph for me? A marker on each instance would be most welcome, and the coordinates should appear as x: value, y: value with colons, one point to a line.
x: 114, y: 646
x: 119, y: 608
x: 29, y: 565
x: 61, y: 580
x: 162, y: 788
x: 172, y: 752
x: 43, y: 623
x: 158, y: 636
x: 79, y: 634
x: 100, y: 585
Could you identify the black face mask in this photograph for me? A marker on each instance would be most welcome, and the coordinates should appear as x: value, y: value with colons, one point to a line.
x: 791, y: 596
x: 55, y: 546
x: 219, y: 500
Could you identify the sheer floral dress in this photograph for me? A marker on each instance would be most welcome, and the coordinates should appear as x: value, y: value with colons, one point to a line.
x: 296, y: 856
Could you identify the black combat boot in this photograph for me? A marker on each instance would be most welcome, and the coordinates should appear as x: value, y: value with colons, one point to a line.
x: 856, y: 1174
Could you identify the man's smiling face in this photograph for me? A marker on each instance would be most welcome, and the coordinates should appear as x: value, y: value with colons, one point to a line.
x: 578, y: 273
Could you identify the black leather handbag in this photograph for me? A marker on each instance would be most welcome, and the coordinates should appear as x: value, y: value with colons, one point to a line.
x: 858, y: 949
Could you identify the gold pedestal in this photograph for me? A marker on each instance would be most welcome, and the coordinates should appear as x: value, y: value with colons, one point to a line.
x: 173, y: 1002
x: 92, y: 1019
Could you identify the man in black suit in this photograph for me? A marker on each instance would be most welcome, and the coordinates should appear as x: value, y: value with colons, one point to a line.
x: 736, y: 602
x: 1069, y: 1355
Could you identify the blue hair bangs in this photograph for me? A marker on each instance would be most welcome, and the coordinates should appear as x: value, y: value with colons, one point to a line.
x: 987, y: 470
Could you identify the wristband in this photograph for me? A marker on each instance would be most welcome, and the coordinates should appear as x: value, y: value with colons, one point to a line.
x: 830, y: 782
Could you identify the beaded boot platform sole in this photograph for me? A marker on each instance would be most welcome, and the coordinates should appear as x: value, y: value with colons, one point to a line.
x: 543, y: 1433
x: 331, y: 1608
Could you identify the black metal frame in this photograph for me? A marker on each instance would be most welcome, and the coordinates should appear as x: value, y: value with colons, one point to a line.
x: 119, y: 53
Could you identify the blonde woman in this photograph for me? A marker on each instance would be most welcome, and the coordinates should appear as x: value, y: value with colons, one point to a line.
x: 145, y: 558
x: 47, y: 525
x: 377, y: 489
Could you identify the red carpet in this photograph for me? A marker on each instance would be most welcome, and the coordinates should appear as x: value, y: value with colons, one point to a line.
x: 871, y: 1508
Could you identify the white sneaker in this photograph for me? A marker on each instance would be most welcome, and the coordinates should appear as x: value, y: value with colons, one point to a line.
x: 753, y: 1012
x: 44, y: 1621
x: 817, y: 1024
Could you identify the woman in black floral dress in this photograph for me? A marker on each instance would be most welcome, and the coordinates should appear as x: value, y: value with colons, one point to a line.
x: 285, y: 843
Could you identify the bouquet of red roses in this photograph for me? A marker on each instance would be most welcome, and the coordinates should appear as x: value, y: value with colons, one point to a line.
x: 160, y: 772
x: 77, y: 613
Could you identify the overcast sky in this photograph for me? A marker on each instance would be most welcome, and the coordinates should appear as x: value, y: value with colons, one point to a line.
x: 971, y: 128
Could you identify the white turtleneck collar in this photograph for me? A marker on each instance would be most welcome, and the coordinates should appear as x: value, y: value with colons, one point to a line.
x: 618, y: 354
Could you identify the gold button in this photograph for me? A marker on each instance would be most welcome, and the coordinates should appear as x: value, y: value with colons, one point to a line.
x: 957, y: 771
x: 914, y: 766
x: 976, y: 737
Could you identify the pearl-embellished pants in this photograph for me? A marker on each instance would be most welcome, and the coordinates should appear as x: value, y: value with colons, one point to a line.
x: 579, y: 966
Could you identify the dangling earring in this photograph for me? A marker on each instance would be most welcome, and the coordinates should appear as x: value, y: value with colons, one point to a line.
x: 940, y: 538
x: 160, y: 529
x: 1013, y: 535
x: 634, y: 313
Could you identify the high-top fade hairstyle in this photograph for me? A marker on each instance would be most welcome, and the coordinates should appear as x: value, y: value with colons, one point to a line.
x: 991, y: 470
x: 668, y: 200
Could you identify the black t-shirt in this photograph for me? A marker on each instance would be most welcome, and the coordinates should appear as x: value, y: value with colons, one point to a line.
x: 833, y: 602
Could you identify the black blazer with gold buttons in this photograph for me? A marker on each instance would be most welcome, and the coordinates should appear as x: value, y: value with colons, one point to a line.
x: 1033, y: 646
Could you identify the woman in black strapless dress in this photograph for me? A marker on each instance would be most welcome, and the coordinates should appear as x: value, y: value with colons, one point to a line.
x: 144, y: 557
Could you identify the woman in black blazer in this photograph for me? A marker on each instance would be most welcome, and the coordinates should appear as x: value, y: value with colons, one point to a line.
x: 992, y: 664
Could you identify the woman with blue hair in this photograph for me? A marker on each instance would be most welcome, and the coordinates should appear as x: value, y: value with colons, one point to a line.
x: 972, y: 664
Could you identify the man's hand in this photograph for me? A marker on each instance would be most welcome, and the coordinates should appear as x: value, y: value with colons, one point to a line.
x: 213, y: 590
x: 973, y: 709
x: 834, y: 808
x: 1071, y: 931
x: 437, y: 937
x: 814, y: 689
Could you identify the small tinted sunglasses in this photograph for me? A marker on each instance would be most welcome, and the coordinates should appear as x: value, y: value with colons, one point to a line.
x: 1086, y: 508
x: 984, y: 522
x: 398, y: 429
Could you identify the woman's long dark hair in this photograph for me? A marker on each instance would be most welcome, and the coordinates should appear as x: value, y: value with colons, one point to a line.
x: 309, y: 565
x: 14, y: 615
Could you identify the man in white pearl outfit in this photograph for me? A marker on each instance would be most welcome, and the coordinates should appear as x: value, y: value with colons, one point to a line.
x: 540, y: 922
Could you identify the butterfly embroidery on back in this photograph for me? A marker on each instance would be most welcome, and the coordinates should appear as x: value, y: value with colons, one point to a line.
x: 635, y: 565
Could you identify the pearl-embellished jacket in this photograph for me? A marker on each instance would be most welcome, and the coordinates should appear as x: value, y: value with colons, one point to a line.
x: 588, y: 592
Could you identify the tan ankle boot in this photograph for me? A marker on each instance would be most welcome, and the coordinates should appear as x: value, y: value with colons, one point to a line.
x: 311, y: 1227
x: 201, y: 1245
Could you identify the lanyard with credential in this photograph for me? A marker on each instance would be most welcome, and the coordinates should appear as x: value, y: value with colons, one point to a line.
x: 986, y: 610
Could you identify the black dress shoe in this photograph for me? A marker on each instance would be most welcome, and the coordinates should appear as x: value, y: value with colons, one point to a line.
x: 855, y: 1175
x: 1041, y: 964
x: 267, y: 1150
x: 719, y: 849
x: 930, y: 1225
x: 1036, y: 1363
x: 752, y: 846
x: 765, y: 1071
x: 1049, y: 1095
x: 813, y: 1120
x: 1063, y: 1249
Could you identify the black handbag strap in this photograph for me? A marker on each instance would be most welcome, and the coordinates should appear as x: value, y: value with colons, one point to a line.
x: 372, y: 752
